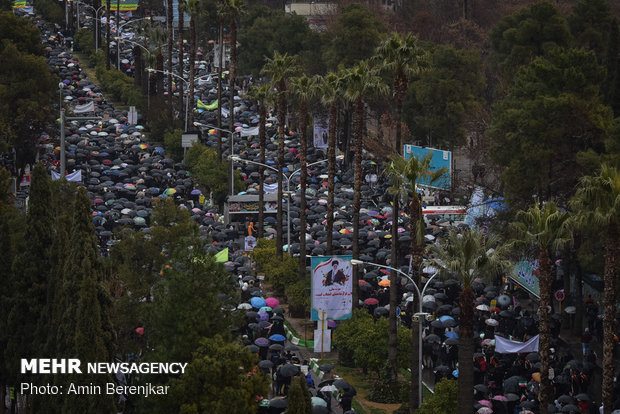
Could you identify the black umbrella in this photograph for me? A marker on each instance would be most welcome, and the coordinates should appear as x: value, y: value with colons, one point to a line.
x: 326, y: 367
x: 532, y: 357
x: 276, y: 347
x: 582, y: 397
x: 289, y: 370
x: 433, y: 338
x: 481, y: 388
x: 278, y: 402
x: 565, y: 399
x: 570, y: 408
x: 452, y: 341
x: 265, y: 364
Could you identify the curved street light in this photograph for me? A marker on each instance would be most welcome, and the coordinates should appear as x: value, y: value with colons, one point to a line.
x: 288, y: 191
x: 118, y: 34
x: 420, y: 314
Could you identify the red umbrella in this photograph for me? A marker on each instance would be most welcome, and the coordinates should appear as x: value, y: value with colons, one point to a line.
x: 371, y: 301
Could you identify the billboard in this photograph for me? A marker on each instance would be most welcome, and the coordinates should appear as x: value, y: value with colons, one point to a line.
x: 440, y: 159
x: 332, y: 287
x: 124, y: 5
x: 525, y: 273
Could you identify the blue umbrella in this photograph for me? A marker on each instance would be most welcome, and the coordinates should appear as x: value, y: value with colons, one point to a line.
x: 258, y: 302
x: 277, y: 338
x: 452, y: 334
x: 455, y: 373
x: 445, y: 318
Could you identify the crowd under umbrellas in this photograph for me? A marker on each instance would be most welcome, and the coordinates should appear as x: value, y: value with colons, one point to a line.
x: 125, y: 175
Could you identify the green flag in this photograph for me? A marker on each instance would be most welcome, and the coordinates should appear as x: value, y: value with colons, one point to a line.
x: 222, y: 256
x: 210, y: 107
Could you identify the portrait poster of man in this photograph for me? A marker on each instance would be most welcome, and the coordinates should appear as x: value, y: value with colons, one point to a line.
x: 320, y: 132
x: 332, y: 287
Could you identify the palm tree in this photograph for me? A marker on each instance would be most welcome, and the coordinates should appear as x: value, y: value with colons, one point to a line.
x: 170, y: 37
x: 231, y: 10
x: 545, y: 228
x: 402, y: 58
x: 597, y: 202
x: 108, y: 14
x: 280, y: 68
x: 303, y: 90
x: 330, y: 90
x: 193, y: 9
x: 180, y: 10
x: 468, y: 255
x: 220, y: 71
x: 404, y: 175
x: 263, y: 94
x: 361, y: 83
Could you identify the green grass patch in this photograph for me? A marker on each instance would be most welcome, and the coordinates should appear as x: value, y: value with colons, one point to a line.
x: 358, y: 407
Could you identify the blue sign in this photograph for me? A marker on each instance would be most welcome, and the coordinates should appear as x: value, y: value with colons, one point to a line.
x: 440, y: 159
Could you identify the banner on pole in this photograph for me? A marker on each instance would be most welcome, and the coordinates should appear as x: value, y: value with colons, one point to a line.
x: 332, y: 287
x: 320, y: 132
x: 506, y: 346
x: 322, y: 340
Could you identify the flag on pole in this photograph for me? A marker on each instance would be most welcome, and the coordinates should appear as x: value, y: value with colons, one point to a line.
x: 19, y: 4
x: 209, y: 107
x: 222, y: 257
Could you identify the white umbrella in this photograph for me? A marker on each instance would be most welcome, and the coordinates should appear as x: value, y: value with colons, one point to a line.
x: 428, y: 298
x: 319, y: 401
x: 482, y: 307
x: 329, y: 388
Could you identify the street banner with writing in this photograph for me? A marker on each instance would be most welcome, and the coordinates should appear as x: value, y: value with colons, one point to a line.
x: 332, y: 287
x: 525, y: 273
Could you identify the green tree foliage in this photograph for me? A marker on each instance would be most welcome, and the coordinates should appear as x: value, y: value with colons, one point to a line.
x: 298, y: 397
x: 265, y: 30
x: 186, y: 308
x: 26, y: 91
x: 21, y: 33
x: 355, y: 36
x: 50, y: 10
x: 31, y: 272
x: 441, y: 99
x: 222, y: 378
x: 362, y: 342
x: 519, y: 38
x: 172, y: 142
x: 281, y: 273
x: 208, y: 172
x: 443, y: 399
x: 551, y: 113
x: 590, y: 24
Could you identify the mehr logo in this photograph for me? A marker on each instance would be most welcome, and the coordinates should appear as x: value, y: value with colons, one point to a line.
x: 50, y: 366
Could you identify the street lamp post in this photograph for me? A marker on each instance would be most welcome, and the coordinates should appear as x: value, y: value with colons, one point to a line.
x: 118, y: 44
x: 420, y: 314
x: 288, y: 193
x: 231, y: 148
x: 97, y: 19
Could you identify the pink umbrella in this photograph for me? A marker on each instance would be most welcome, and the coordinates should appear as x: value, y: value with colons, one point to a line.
x: 486, y: 402
x: 500, y: 398
x: 484, y: 410
x: 272, y: 302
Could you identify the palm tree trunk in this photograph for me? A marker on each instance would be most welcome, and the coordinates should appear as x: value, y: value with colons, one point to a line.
x: 544, y: 266
x: 220, y: 59
x: 417, y: 250
x: 303, y: 112
x: 392, y: 338
x: 357, y: 196
x: 170, y: 35
x: 107, y: 35
x: 181, y: 86
x: 609, y: 309
x: 466, y: 351
x: 261, y: 171
x: 281, y: 120
x: 159, y: 77
x: 231, y: 83
x: 400, y: 89
x: 331, y: 174
x: 192, y: 59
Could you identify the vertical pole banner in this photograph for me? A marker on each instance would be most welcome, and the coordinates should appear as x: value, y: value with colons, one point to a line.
x: 320, y: 131
x: 332, y: 287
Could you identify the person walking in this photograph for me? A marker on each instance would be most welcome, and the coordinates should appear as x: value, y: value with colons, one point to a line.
x: 585, y: 342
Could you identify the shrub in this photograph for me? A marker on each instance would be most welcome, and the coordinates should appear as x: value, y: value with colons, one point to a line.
x: 84, y: 41
x: 443, y: 400
x: 298, y: 297
x: 279, y: 272
x: 50, y: 11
